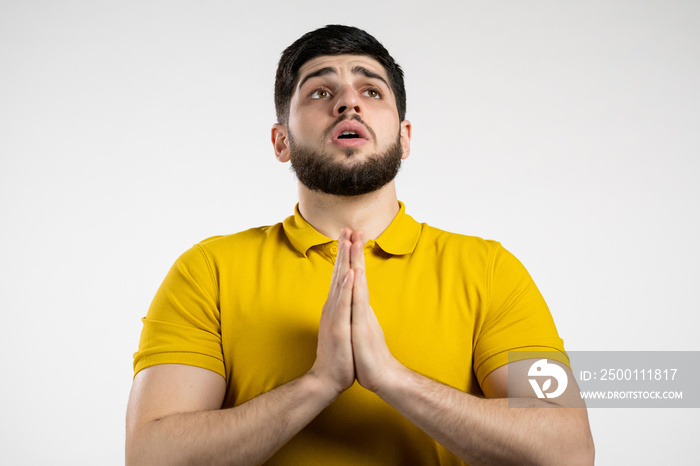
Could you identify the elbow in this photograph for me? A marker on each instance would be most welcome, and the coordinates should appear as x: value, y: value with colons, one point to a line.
x: 132, y: 456
x: 588, y: 453
x: 131, y: 459
x: 580, y: 452
x: 136, y: 449
x: 148, y: 445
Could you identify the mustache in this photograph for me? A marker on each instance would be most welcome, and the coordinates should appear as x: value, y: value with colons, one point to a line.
x: 344, y: 117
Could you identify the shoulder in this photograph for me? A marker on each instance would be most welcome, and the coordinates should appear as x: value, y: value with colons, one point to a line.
x: 242, y: 240
x: 223, y: 251
x: 456, y: 244
x: 466, y: 252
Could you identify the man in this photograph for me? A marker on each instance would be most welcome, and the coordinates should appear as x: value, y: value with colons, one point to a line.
x: 386, y: 346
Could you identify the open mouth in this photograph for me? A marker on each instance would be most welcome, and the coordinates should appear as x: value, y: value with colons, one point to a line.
x: 349, y: 135
x: 350, y: 132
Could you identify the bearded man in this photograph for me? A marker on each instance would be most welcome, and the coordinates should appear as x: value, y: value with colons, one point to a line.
x: 388, y: 345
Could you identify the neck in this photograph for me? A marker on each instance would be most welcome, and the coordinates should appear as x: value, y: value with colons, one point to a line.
x: 372, y: 213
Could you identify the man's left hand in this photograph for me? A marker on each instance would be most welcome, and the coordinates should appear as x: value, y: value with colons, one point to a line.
x: 374, y: 363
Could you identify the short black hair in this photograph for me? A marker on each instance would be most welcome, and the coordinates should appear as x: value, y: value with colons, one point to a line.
x: 333, y: 39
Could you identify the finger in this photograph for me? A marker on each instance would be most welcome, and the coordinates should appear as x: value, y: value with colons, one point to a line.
x: 342, y: 261
x: 360, y: 296
x: 357, y: 254
x: 344, y: 306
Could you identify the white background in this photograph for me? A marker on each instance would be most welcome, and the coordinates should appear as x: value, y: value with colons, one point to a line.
x: 130, y: 130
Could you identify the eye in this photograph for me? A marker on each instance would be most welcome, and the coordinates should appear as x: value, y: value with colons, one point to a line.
x: 373, y: 93
x: 320, y: 94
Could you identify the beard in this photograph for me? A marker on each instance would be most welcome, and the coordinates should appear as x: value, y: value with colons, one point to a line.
x: 319, y: 172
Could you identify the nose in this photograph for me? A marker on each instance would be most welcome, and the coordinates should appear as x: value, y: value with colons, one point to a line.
x: 347, y: 99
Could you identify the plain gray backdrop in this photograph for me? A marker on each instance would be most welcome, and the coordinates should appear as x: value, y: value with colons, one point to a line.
x: 129, y: 130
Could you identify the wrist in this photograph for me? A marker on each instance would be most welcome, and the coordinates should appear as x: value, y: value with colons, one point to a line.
x: 320, y: 388
x: 393, y: 379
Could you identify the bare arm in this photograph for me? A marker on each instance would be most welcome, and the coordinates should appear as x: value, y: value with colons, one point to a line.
x: 490, y: 430
x: 174, y: 418
x: 478, y: 430
x: 174, y: 414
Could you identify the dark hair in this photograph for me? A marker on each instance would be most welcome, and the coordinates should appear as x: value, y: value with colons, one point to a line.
x: 333, y: 39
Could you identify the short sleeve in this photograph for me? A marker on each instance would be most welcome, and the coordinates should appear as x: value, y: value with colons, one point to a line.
x: 517, y: 317
x: 183, y: 322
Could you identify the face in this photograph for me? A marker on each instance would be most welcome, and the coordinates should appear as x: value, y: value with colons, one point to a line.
x: 344, y: 136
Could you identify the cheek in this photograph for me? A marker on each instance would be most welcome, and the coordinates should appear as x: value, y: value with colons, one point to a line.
x: 304, y: 120
x: 301, y: 128
x: 296, y: 123
x: 388, y: 123
x: 297, y: 115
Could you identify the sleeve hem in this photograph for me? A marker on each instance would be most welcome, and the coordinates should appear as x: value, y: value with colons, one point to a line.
x: 191, y: 359
x: 502, y: 358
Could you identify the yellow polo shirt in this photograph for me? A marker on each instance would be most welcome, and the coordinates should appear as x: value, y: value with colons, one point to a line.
x: 247, y: 306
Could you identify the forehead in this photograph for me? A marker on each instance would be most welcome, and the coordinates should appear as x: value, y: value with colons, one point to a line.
x: 341, y: 63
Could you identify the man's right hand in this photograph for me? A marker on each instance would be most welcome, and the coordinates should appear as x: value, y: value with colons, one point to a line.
x: 173, y: 413
x: 174, y: 416
x: 334, y: 365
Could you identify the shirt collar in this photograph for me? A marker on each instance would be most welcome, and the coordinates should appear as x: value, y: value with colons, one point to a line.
x: 400, y: 237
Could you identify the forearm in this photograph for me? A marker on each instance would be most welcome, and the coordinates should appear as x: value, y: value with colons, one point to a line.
x: 245, y: 435
x: 488, y: 431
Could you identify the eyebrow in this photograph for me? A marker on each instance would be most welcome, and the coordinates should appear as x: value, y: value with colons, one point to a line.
x: 355, y: 70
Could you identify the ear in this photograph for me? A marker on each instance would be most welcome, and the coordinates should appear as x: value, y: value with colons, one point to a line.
x: 280, y: 142
x: 405, y: 134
